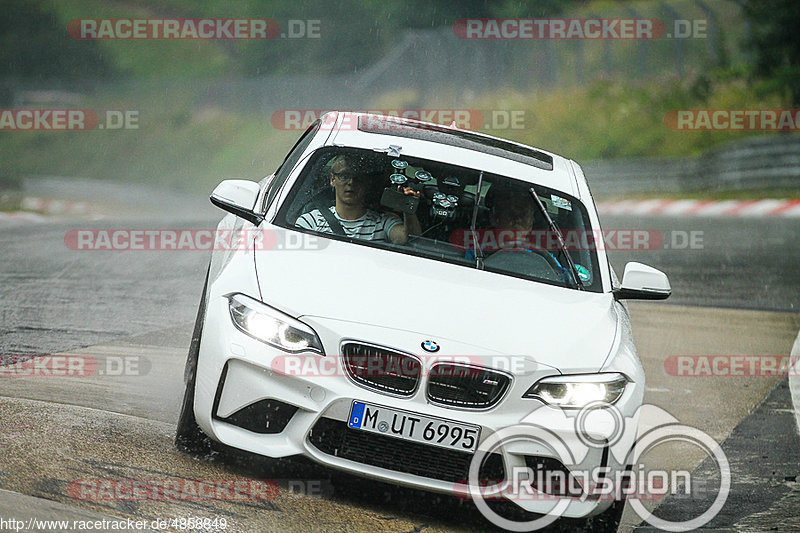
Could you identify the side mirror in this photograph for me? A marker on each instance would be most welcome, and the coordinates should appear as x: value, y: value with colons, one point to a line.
x: 238, y: 197
x: 641, y: 282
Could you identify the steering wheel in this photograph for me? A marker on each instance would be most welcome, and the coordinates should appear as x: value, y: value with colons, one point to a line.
x: 551, y: 259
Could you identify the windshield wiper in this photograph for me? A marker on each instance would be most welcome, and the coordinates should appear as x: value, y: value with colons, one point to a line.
x: 478, y: 251
x: 561, y: 244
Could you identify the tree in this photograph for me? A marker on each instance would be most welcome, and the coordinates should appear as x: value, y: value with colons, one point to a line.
x: 34, y: 45
x: 775, y: 41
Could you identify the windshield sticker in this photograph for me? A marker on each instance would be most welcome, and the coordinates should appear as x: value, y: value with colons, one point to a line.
x: 548, y: 204
x: 563, y: 203
x: 583, y: 273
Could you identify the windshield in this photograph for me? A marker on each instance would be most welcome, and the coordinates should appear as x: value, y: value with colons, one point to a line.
x: 443, y: 212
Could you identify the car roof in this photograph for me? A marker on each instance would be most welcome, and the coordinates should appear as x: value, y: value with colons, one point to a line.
x: 453, y: 145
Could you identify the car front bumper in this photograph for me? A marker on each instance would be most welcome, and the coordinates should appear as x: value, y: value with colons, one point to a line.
x: 309, y: 412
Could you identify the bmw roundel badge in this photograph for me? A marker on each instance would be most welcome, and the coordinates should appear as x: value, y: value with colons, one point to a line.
x: 430, y: 346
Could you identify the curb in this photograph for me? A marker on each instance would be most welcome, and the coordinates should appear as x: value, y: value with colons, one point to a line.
x: 22, y: 217
x: 54, y: 207
x: 37, y: 210
x: 703, y: 208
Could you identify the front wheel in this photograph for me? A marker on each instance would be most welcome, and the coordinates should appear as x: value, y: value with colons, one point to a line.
x: 188, y: 436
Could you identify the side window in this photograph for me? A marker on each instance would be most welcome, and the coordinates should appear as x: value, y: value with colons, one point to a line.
x: 291, y: 160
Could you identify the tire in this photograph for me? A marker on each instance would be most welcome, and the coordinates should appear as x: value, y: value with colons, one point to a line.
x: 188, y: 436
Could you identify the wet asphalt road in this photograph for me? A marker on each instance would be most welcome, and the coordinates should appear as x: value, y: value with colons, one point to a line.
x: 742, y: 263
x: 58, y: 434
x: 53, y: 299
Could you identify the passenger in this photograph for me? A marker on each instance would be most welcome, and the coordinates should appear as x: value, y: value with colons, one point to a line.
x: 349, y: 214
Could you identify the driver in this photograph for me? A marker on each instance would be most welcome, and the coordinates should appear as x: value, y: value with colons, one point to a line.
x: 351, y: 213
x: 512, y: 217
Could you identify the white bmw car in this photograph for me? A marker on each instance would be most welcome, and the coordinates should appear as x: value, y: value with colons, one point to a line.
x: 399, y: 293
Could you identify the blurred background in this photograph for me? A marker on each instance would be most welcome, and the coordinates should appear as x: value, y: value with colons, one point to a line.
x: 175, y: 116
x: 201, y: 110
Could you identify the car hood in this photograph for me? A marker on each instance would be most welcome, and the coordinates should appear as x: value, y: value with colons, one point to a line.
x: 570, y: 330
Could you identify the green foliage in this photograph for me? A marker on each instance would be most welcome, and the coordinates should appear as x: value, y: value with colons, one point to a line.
x: 354, y: 33
x: 775, y: 41
x: 34, y: 44
x: 145, y: 59
x: 184, y: 141
x: 616, y: 119
x: 174, y: 146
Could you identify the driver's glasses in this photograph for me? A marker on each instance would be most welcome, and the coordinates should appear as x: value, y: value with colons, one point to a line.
x: 346, y: 177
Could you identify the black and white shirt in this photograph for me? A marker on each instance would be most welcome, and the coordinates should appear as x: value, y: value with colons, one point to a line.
x: 371, y: 226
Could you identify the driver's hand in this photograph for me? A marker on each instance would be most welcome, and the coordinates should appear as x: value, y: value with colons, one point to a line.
x: 408, y: 191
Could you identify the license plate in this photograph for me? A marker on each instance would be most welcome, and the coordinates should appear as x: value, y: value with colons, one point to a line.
x: 415, y: 427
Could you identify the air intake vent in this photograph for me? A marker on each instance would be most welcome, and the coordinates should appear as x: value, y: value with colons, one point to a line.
x: 466, y: 386
x: 335, y: 438
x: 382, y: 369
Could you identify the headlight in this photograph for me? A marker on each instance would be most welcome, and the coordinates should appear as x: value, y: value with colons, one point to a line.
x: 578, y: 390
x: 269, y: 325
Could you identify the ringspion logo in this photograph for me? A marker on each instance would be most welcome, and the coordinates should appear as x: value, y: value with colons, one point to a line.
x: 638, y: 482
